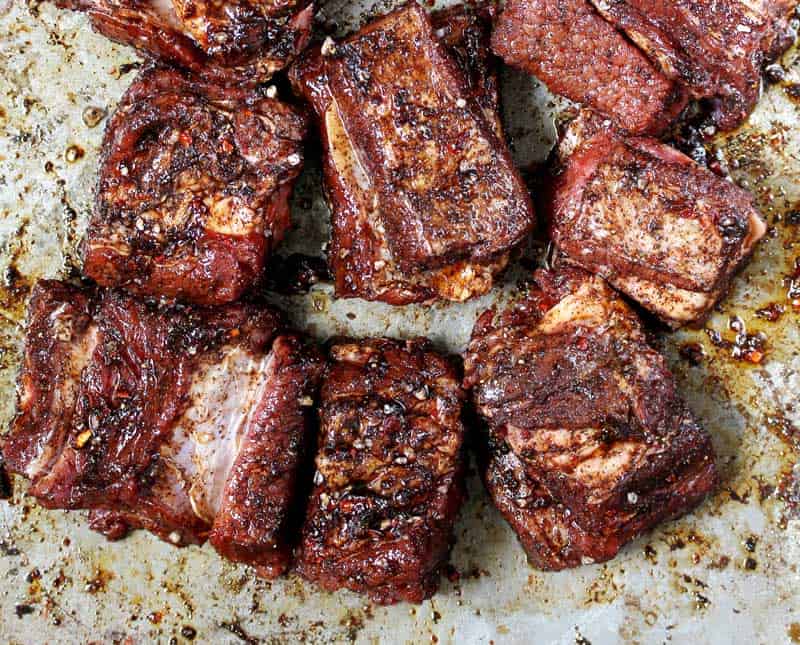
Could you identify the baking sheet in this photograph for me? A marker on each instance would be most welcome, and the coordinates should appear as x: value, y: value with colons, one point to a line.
x: 726, y: 574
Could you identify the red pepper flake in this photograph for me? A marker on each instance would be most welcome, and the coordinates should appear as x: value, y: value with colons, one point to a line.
x: 754, y: 356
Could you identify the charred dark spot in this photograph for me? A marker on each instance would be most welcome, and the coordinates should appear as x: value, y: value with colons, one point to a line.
x: 296, y: 273
x: 701, y: 601
x: 128, y: 67
x: 793, y: 91
x: 772, y: 312
x: 236, y: 629
x: 693, y: 353
x: 775, y: 73
x: 6, y: 489
x: 23, y: 610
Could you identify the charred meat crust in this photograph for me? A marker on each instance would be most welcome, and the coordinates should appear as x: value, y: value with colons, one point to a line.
x: 438, y: 215
x: 456, y: 245
x: 589, y: 441
x: 577, y: 54
x: 230, y: 43
x: 715, y: 49
x: 193, y: 188
x: 257, y: 509
x: 389, y: 478
x: 659, y: 227
x: 153, y: 416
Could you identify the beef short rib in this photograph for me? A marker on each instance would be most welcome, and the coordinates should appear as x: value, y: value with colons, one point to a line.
x: 186, y: 421
x: 193, y: 190
x: 226, y: 43
x: 389, y: 471
x: 660, y: 228
x: 716, y: 49
x: 425, y: 200
x: 588, y: 442
x: 577, y: 54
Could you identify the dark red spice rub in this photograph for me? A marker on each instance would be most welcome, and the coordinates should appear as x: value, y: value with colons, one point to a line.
x: 577, y: 54
x: 193, y: 188
x: 389, y: 479
x: 187, y: 421
x: 587, y: 442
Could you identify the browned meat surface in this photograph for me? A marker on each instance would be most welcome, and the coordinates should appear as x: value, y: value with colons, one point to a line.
x: 577, y: 54
x: 227, y: 43
x: 185, y: 421
x: 193, y: 189
x: 389, y: 471
x: 716, y: 48
x: 662, y: 229
x: 589, y: 443
x: 425, y: 200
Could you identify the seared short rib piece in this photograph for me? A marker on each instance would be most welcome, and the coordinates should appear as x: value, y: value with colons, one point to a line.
x: 425, y: 200
x: 660, y: 228
x: 716, y: 49
x: 193, y: 190
x: 186, y: 421
x: 389, y: 479
x: 577, y: 54
x: 588, y: 442
x: 226, y: 43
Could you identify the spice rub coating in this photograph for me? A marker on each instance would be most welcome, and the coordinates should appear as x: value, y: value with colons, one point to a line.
x: 662, y: 229
x: 193, y: 188
x: 187, y: 421
x: 389, y: 478
x: 588, y: 443
x: 425, y: 200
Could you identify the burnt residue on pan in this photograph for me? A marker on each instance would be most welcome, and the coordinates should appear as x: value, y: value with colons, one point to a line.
x: 729, y: 569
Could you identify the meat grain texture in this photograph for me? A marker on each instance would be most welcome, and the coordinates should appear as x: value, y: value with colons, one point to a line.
x: 577, y: 54
x: 426, y: 202
x: 193, y: 189
x: 389, y: 478
x: 587, y: 442
x: 716, y: 49
x: 188, y: 422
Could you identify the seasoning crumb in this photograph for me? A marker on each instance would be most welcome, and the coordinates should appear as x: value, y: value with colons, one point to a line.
x: 74, y: 153
x: 92, y: 116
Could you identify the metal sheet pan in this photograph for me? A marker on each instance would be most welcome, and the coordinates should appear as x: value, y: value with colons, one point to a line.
x: 726, y: 574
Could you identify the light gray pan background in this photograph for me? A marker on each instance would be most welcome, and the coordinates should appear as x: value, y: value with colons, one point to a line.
x: 726, y: 574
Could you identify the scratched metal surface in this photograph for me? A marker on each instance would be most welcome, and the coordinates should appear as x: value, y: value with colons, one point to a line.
x: 728, y: 573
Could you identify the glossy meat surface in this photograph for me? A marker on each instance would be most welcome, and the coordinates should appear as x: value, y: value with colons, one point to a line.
x: 153, y: 416
x: 589, y: 443
x: 193, y: 189
x: 659, y: 227
x: 425, y: 200
x: 716, y: 48
x: 389, y: 477
x: 577, y: 54
x: 226, y: 43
